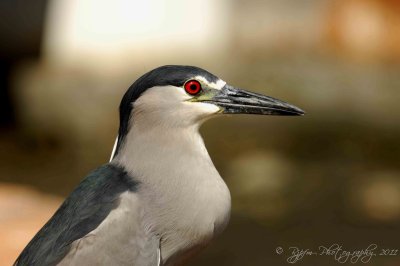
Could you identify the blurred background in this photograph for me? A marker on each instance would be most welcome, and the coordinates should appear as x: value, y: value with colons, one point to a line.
x: 332, y: 176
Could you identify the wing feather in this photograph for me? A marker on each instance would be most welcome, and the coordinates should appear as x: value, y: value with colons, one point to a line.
x: 86, y: 207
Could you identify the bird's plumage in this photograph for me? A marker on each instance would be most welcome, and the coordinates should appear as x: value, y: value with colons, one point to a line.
x: 82, y: 212
x: 160, y: 198
x: 186, y: 201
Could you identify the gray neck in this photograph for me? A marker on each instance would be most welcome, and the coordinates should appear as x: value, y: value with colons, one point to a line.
x: 146, y: 150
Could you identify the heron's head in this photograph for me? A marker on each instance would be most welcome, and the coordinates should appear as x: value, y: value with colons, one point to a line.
x: 184, y: 96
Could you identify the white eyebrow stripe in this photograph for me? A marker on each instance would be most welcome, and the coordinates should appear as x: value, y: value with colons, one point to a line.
x: 215, y: 85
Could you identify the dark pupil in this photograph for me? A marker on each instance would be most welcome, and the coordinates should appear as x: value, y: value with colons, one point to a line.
x: 193, y: 87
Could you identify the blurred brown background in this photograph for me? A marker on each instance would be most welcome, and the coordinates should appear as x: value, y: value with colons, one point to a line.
x: 332, y: 176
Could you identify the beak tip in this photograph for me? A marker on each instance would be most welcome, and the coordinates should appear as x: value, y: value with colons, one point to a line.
x: 301, y: 112
x: 296, y: 111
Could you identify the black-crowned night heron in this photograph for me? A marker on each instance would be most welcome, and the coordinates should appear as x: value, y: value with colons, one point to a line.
x: 160, y: 199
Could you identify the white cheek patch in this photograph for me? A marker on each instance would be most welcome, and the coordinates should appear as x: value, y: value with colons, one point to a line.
x: 207, y: 108
x: 217, y: 85
x: 172, y: 96
x: 169, y: 105
x: 165, y: 94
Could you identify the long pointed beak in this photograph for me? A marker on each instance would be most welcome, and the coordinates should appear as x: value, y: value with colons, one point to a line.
x: 237, y: 101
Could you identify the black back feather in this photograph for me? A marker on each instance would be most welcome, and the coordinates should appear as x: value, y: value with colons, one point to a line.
x: 82, y: 212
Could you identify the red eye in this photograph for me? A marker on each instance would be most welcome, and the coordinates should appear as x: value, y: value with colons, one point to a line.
x: 192, y: 87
